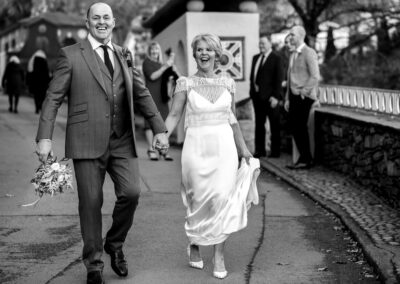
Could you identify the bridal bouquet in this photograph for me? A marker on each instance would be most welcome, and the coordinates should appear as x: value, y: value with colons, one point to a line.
x: 51, y: 177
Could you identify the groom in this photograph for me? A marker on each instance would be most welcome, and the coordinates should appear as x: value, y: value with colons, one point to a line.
x: 100, y: 134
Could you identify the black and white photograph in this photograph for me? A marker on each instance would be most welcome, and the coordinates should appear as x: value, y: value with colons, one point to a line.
x: 200, y: 141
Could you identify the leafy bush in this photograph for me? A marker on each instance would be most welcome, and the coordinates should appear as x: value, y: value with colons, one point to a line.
x: 372, y: 70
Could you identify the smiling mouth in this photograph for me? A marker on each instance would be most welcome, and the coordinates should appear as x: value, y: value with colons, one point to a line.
x: 101, y: 29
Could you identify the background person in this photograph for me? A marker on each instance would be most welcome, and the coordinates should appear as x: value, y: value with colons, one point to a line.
x: 153, y: 70
x: 266, y: 93
x: 38, y: 78
x: 213, y: 143
x: 13, y: 82
x: 303, y: 76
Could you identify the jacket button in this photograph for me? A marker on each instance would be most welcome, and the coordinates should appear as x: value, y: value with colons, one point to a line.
x: 107, y: 115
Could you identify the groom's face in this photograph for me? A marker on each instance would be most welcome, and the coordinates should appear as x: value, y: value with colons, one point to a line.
x: 100, y: 22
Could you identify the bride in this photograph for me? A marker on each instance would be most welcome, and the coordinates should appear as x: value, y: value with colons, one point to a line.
x: 213, y: 143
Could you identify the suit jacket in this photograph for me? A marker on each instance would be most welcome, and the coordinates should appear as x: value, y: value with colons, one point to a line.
x: 78, y: 75
x: 304, y: 75
x: 271, y: 76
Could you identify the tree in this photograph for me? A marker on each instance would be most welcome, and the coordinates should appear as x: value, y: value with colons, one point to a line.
x: 11, y: 11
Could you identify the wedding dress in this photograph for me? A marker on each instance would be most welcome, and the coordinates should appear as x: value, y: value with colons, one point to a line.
x: 215, y: 208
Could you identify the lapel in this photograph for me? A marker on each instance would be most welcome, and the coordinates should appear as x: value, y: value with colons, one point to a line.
x: 253, y: 69
x: 267, y: 61
x: 91, y: 61
x: 253, y: 66
x: 125, y: 72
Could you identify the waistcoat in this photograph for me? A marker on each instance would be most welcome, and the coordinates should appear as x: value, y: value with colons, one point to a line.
x: 117, y: 97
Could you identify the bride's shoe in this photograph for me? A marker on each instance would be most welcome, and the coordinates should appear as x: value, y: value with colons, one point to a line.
x: 219, y: 274
x: 195, y: 264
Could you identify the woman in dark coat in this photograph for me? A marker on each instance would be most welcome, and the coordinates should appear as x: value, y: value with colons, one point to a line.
x: 156, y: 74
x: 13, y: 82
x: 39, y: 78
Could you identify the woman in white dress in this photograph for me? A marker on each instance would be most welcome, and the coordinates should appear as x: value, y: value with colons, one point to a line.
x: 213, y: 143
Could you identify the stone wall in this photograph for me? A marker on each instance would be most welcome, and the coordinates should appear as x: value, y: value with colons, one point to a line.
x: 363, y: 146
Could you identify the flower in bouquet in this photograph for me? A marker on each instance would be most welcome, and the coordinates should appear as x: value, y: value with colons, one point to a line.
x: 51, y: 177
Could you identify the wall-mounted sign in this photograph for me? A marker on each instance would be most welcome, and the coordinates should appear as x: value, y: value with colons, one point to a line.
x: 232, y: 59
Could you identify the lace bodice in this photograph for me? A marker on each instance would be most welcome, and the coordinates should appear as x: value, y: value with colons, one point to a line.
x: 208, y: 101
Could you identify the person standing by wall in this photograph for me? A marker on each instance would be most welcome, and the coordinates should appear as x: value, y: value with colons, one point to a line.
x: 301, y: 94
x: 13, y: 82
x: 38, y: 78
x: 266, y: 92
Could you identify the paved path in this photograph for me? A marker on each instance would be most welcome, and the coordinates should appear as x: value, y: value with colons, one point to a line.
x: 375, y: 224
x: 289, y: 239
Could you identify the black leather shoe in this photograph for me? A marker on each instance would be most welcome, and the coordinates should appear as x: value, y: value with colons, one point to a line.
x: 118, y: 262
x: 95, y: 277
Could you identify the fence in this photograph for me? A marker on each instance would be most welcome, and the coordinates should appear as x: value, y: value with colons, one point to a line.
x: 376, y: 100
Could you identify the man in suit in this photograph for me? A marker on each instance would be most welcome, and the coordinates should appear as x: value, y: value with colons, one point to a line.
x: 266, y: 93
x: 303, y: 76
x: 100, y: 134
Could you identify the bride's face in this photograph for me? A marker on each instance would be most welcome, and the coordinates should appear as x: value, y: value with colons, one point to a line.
x: 204, y: 56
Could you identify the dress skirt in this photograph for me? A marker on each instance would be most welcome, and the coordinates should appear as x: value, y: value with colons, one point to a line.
x: 209, y: 169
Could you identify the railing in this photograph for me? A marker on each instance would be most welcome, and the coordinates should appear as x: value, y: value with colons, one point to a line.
x: 375, y: 100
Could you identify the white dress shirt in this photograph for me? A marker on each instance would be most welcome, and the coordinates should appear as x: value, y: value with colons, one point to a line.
x: 97, y: 47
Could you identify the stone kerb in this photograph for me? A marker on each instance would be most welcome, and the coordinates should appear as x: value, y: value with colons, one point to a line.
x: 362, y: 145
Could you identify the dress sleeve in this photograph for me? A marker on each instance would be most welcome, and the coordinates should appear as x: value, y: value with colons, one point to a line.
x: 181, y: 85
x: 232, y: 87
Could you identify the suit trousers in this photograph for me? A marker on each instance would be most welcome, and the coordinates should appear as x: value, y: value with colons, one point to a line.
x: 123, y: 168
x: 262, y: 110
x: 299, y: 112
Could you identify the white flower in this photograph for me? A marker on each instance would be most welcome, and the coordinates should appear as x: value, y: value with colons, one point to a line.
x: 55, y: 166
x: 60, y: 178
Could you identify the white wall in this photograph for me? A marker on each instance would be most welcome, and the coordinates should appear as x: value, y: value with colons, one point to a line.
x: 171, y: 38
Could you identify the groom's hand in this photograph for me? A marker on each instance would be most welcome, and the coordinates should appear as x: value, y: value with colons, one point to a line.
x: 160, y: 142
x: 43, y: 149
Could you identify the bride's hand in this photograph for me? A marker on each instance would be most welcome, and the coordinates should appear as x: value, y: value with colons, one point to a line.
x: 245, y: 153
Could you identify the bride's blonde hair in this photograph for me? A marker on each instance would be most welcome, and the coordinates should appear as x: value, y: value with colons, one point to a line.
x: 213, y: 41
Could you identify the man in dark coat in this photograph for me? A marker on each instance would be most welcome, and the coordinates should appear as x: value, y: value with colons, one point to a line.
x: 266, y: 92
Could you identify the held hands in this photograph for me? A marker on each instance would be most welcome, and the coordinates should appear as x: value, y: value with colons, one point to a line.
x: 43, y: 149
x: 160, y: 143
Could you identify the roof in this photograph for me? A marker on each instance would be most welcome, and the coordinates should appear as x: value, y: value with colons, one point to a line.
x: 57, y: 19
x: 173, y: 9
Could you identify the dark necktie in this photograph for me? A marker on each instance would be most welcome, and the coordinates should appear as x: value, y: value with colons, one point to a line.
x: 107, y: 60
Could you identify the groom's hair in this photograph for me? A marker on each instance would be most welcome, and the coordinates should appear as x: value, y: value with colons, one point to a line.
x: 90, y: 7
